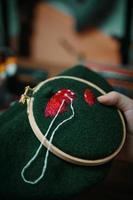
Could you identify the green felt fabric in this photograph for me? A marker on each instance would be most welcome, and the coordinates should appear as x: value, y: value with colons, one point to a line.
x: 93, y: 133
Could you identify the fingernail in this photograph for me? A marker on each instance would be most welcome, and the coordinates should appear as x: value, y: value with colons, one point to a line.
x: 100, y: 98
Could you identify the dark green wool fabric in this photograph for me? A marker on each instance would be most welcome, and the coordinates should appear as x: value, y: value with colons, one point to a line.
x: 94, y: 132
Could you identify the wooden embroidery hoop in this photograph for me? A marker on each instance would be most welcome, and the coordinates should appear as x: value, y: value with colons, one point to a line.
x: 56, y: 151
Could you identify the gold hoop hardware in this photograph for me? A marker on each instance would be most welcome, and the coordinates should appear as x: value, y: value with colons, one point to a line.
x: 25, y: 97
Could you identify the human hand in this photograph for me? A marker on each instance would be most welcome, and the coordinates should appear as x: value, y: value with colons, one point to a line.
x: 122, y: 102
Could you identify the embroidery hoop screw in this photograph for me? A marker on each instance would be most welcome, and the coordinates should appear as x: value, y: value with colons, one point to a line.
x: 25, y: 97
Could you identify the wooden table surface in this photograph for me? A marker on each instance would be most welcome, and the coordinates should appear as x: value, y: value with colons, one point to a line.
x: 55, y: 40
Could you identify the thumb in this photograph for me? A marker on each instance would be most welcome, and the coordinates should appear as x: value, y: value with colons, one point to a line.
x: 116, y: 99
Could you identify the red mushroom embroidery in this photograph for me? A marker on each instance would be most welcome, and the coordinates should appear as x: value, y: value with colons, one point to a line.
x: 89, y: 97
x: 56, y: 100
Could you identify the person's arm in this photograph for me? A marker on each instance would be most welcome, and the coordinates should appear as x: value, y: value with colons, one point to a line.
x: 123, y: 103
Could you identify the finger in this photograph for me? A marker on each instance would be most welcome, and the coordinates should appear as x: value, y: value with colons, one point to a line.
x: 119, y: 100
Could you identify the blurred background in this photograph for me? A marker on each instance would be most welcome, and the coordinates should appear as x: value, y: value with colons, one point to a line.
x: 39, y: 39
